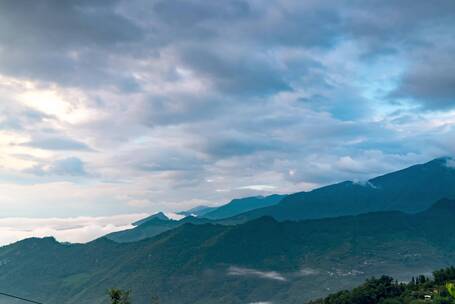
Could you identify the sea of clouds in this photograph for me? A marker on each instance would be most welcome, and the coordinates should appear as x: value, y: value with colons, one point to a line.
x: 74, y: 230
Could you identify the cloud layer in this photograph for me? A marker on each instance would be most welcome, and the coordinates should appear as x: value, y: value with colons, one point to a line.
x: 119, y: 107
x: 74, y: 230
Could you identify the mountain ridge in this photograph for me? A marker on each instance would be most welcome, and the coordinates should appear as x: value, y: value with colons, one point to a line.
x: 160, y: 222
x: 392, y: 191
x: 261, y: 260
x: 412, y: 189
x: 238, y: 206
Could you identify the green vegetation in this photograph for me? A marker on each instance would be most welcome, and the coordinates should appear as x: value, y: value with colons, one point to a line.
x: 279, y: 262
x: 386, y: 290
x: 119, y: 296
x: 451, y: 289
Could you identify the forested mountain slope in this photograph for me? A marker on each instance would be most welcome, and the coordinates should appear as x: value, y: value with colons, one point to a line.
x: 262, y: 260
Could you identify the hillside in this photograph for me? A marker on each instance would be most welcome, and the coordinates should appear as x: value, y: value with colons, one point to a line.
x: 145, y: 230
x: 262, y: 260
x: 410, y: 190
x: 385, y: 290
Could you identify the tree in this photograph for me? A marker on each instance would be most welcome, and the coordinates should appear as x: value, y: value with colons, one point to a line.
x: 451, y: 289
x: 443, y: 275
x: 155, y: 300
x: 119, y: 296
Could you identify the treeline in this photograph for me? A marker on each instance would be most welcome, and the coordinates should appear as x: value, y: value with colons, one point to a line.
x: 439, y: 289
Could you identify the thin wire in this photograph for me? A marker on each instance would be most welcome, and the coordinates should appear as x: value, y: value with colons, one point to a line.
x: 19, y: 298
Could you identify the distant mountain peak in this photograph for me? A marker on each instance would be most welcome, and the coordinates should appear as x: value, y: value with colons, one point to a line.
x: 444, y: 161
x: 197, y: 211
x: 445, y: 205
x: 48, y: 239
x: 160, y: 215
x: 157, y: 216
x: 37, y: 241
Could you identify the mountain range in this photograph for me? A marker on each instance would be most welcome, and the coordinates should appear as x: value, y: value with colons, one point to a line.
x: 261, y: 260
x: 302, y: 246
x: 159, y: 222
x: 410, y: 190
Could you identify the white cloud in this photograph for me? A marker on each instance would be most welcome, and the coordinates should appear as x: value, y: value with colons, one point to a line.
x: 74, y: 230
x: 450, y: 163
x: 308, y: 272
x: 259, y: 187
x: 174, y: 216
x: 270, y: 275
x: 365, y: 183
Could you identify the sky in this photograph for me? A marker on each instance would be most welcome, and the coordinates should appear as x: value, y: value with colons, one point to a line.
x: 111, y: 110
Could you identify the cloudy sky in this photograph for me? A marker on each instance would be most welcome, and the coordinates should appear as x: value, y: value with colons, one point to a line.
x: 114, y: 109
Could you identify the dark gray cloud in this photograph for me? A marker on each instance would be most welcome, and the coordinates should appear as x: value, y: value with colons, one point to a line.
x: 238, y: 145
x: 14, y: 117
x: 56, y: 143
x: 179, y: 108
x: 233, y: 44
x: 71, y: 43
x: 184, y: 14
x: 64, y: 24
x: 69, y: 167
x: 236, y: 73
x: 430, y: 79
x: 174, y: 161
